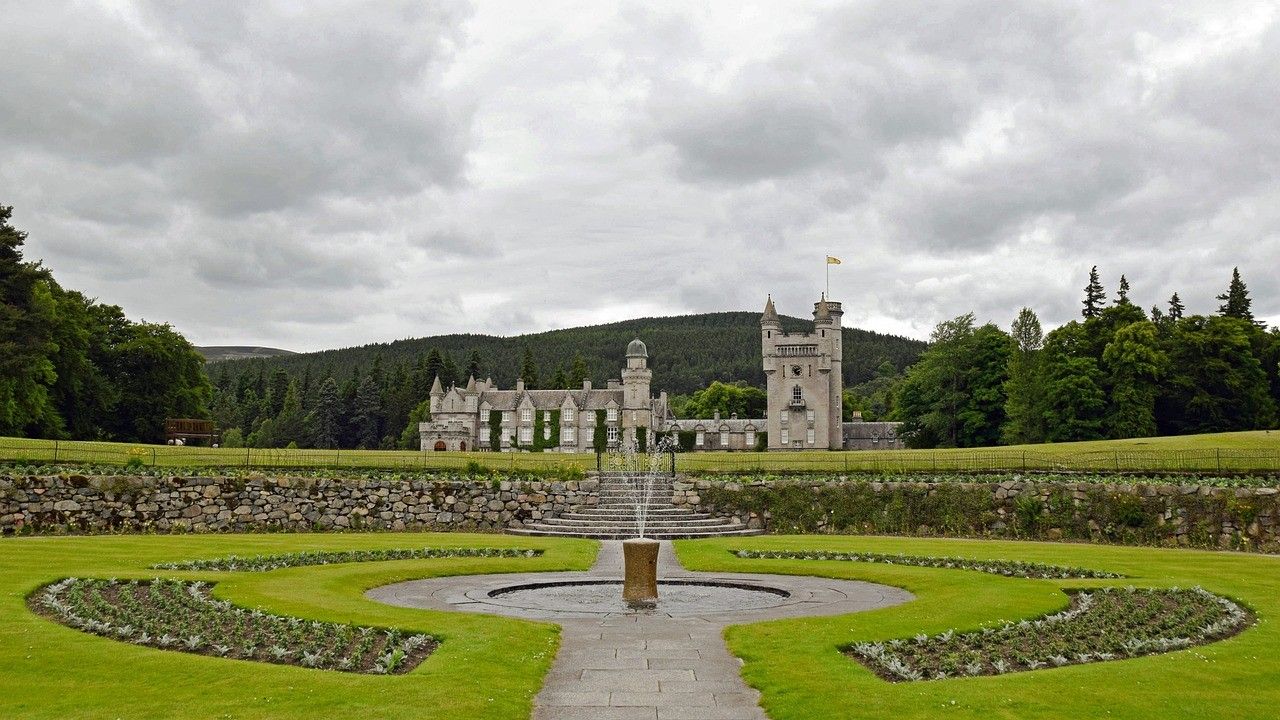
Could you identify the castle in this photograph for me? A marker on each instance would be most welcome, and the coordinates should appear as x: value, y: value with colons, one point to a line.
x: 804, y: 403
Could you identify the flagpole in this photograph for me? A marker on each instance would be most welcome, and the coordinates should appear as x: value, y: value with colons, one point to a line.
x: 827, y: 262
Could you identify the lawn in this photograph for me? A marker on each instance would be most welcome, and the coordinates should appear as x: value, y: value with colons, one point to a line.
x: 485, y: 667
x: 796, y: 665
x: 1218, y: 452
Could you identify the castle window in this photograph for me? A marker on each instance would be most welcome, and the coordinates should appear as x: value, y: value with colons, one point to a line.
x: 811, y: 415
x: 751, y: 439
x: 724, y: 438
x: 546, y: 431
x: 568, y: 436
x: 611, y: 415
x: 796, y: 394
x: 566, y: 416
x: 784, y: 417
x: 699, y: 438
x: 526, y: 415
x: 526, y: 435
x: 613, y: 435
x: 507, y: 416
x: 546, y: 416
x: 786, y: 436
x: 810, y: 437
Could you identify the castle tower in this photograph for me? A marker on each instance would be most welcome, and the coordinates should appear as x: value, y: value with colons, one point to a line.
x: 803, y: 381
x: 637, y: 405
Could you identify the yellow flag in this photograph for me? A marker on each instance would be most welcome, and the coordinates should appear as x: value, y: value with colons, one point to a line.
x: 833, y: 260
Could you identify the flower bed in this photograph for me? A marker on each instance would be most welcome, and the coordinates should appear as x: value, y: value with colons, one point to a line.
x: 263, y: 563
x: 180, y: 615
x: 1007, y: 568
x: 1099, y: 625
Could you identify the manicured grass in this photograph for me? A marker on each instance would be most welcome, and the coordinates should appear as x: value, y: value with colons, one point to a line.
x: 1218, y: 452
x: 801, y: 674
x: 485, y: 667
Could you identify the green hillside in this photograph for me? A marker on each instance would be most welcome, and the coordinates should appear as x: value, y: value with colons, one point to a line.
x: 685, y: 352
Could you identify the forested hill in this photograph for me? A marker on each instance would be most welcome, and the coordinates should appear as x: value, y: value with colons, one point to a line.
x: 685, y: 352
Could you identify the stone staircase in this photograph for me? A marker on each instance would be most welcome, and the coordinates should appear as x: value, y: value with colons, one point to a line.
x: 613, y: 517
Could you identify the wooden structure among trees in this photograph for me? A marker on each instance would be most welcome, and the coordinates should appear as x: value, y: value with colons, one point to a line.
x: 190, y: 429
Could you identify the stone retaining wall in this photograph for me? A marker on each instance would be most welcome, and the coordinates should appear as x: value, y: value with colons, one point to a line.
x: 78, y: 503
x: 1141, y: 514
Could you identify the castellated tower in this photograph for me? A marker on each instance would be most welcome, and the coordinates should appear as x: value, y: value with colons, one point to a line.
x: 804, y: 385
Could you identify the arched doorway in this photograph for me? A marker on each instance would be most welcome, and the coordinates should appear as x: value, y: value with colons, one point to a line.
x: 462, y: 446
x: 439, y: 446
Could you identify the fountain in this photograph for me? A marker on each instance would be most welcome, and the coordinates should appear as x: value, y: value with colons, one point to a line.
x: 640, y: 554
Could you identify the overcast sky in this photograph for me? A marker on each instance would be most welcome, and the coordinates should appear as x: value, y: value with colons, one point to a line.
x: 308, y: 176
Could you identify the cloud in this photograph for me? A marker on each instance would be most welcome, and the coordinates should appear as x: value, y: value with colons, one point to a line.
x: 321, y: 176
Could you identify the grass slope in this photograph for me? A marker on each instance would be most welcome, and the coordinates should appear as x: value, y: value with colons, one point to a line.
x: 796, y: 665
x: 486, y: 667
x: 1217, y: 452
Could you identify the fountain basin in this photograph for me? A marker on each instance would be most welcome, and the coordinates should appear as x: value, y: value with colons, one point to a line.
x: 604, y: 597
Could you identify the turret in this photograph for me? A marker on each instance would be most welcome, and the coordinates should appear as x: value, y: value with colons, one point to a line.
x: 636, y: 377
x: 437, y: 394
x: 770, y: 320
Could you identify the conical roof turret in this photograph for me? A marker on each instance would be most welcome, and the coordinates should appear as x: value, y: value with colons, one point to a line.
x: 822, y: 311
x: 770, y: 316
x: 436, y: 387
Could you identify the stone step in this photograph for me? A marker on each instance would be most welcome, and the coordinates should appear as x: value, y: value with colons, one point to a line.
x: 649, y: 532
x: 650, y: 522
x: 585, y: 513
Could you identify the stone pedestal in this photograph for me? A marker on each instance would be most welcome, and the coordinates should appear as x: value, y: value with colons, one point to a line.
x: 640, y: 572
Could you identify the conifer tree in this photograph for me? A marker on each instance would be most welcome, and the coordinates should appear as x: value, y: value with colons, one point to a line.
x: 529, y: 370
x: 578, y: 371
x: 449, y: 371
x: 1122, y: 295
x: 324, y: 422
x: 435, y: 364
x: 1176, y: 308
x: 1024, y: 406
x: 1236, y: 302
x: 473, y: 364
x: 1094, y: 295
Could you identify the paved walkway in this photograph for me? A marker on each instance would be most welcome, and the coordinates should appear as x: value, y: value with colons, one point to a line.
x: 644, y: 665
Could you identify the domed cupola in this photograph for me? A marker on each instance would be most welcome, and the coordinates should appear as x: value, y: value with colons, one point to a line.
x: 636, y: 348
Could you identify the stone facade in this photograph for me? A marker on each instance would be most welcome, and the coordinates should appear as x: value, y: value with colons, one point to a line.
x: 217, y: 504
x: 1246, y: 518
x: 803, y: 382
x: 461, y: 417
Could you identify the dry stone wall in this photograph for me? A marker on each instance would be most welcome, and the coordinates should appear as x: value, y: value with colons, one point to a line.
x: 1191, y: 515
x: 77, y: 503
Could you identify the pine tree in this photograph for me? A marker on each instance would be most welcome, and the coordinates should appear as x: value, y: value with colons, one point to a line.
x: 1025, y: 386
x: 1122, y: 295
x: 449, y: 371
x: 367, y: 414
x: 578, y: 371
x: 1094, y: 295
x: 324, y: 422
x: 473, y: 365
x: 1236, y: 302
x: 289, y: 425
x: 559, y: 380
x: 435, y: 364
x: 529, y: 370
x: 1176, y: 308
x: 275, y: 394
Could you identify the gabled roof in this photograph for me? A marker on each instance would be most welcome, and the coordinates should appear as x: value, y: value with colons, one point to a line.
x: 551, y: 399
x: 770, y: 313
x: 713, y: 425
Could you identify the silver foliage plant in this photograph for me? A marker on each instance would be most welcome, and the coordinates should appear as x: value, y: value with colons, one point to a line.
x: 1100, y: 625
x: 1006, y: 568
x: 182, y: 615
x: 263, y: 563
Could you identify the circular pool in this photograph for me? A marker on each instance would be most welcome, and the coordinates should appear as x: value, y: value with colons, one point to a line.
x: 675, y: 597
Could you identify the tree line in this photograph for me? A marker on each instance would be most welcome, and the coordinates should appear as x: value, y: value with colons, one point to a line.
x: 71, y: 367
x: 1118, y: 372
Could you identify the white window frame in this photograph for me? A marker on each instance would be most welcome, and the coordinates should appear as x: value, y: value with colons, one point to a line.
x: 796, y: 393
x: 611, y: 415
x: 526, y: 435
x: 810, y: 436
x: 699, y: 438
x: 507, y: 417
x: 568, y: 435
x: 566, y: 417
x: 724, y: 438
x: 612, y: 434
x: 810, y: 415
x: 750, y: 439
x: 526, y: 415
x: 786, y: 437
